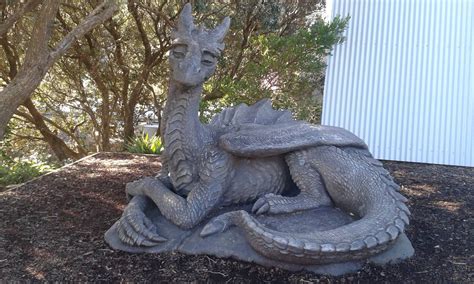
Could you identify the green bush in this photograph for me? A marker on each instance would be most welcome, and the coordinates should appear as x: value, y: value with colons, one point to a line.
x: 145, y: 145
x: 15, y: 171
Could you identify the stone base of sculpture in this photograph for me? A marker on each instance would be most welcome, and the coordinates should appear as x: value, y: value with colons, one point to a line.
x: 233, y: 244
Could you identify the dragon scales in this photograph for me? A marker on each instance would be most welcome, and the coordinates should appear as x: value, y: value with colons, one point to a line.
x: 254, y: 154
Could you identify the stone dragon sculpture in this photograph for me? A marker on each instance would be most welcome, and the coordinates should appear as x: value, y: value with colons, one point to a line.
x: 257, y: 154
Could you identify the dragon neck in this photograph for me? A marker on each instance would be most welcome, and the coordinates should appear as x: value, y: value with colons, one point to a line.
x: 183, y: 133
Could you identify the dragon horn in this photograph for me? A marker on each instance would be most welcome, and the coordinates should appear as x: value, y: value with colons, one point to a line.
x: 219, y: 32
x: 185, y: 21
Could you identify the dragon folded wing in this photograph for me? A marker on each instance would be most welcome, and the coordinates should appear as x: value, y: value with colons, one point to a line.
x: 261, y: 131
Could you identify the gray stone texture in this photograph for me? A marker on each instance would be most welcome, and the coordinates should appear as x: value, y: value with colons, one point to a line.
x: 257, y: 185
x: 232, y: 243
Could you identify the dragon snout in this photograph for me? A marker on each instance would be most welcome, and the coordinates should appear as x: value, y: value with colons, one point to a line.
x: 189, y: 74
x: 189, y: 68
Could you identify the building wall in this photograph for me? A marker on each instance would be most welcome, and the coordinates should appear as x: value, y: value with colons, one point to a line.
x: 404, y: 79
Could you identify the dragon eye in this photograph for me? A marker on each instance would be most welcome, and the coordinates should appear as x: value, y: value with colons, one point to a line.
x: 208, y: 59
x: 178, y: 54
x: 207, y: 62
x: 179, y: 51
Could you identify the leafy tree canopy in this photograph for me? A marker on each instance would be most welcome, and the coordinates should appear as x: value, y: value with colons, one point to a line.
x: 116, y: 76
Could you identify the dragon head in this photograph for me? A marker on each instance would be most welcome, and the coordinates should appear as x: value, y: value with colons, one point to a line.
x: 195, y: 50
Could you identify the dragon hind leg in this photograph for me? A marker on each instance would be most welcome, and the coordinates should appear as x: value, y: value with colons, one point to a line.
x: 313, y: 193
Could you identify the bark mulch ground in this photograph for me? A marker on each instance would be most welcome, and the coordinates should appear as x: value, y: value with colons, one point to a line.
x: 52, y: 229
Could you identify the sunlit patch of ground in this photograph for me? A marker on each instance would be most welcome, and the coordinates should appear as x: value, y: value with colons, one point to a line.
x: 419, y: 189
x: 447, y: 205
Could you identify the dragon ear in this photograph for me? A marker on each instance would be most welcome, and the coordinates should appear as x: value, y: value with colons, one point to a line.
x: 185, y: 21
x: 219, y: 32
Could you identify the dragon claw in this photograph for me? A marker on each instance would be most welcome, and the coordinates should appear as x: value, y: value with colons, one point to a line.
x: 213, y: 227
x: 135, y: 229
x: 217, y: 225
x: 259, y: 203
x: 142, y: 186
x: 263, y: 204
x: 136, y: 187
x: 263, y: 209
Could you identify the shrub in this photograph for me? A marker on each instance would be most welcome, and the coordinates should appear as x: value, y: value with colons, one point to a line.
x: 15, y: 171
x: 145, y: 145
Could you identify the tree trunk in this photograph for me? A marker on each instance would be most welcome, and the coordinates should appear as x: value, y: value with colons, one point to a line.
x: 160, y: 118
x: 105, y: 138
x: 129, y: 127
x: 105, y: 119
x: 34, y: 68
x: 60, y: 148
x: 39, y: 57
x: 13, y: 94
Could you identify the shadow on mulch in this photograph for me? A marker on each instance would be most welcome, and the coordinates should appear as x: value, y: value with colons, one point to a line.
x: 52, y: 229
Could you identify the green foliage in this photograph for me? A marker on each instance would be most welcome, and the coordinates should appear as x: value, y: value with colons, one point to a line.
x: 14, y: 171
x: 119, y: 72
x: 285, y: 67
x: 145, y: 145
x: 15, y: 168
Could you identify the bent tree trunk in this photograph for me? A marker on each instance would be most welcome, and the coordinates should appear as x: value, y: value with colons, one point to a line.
x: 39, y: 57
x: 15, y: 93
x: 61, y: 150
x: 34, y: 68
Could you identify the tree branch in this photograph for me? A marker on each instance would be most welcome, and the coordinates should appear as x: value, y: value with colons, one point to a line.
x: 12, y: 58
x: 28, y: 137
x: 39, y: 59
x: 99, y: 15
x: 10, y: 21
x: 132, y: 7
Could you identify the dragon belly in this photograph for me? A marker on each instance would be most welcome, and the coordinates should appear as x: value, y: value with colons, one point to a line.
x: 256, y: 177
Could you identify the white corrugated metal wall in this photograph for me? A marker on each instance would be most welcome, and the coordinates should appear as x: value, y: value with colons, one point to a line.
x: 404, y: 79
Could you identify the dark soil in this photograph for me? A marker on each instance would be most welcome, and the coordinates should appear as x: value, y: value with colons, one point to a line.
x: 52, y: 229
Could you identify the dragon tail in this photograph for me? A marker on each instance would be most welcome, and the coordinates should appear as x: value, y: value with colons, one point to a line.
x: 367, y: 190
